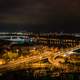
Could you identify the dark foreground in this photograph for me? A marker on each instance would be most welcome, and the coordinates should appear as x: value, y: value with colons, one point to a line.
x: 25, y: 75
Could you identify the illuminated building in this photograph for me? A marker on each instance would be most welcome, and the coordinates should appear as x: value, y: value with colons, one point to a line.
x: 50, y: 39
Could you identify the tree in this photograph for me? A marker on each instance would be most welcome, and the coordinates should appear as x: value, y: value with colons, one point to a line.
x: 9, y: 55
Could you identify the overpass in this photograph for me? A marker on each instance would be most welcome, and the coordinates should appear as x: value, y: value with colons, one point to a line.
x: 27, y: 60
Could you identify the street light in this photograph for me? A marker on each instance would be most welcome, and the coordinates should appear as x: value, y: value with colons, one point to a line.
x: 17, y: 50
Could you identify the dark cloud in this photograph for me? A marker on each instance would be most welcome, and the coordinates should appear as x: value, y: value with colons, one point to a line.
x: 61, y: 14
x: 30, y: 10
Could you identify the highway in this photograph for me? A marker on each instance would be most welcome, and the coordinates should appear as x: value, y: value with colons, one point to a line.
x: 25, y: 61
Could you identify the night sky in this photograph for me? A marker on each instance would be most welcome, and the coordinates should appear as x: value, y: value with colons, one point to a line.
x: 40, y: 15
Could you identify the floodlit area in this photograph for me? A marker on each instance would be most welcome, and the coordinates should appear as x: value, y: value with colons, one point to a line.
x: 42, y: 55
x: 37, y: 57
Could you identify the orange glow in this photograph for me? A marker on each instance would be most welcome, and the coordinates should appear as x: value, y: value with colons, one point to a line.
x: 2, y: 61
x: 56, y: 49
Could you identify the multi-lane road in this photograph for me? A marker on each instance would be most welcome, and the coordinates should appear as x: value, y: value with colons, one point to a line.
x: 27, y: 60
x: 32, y: 61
